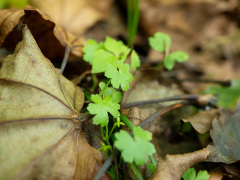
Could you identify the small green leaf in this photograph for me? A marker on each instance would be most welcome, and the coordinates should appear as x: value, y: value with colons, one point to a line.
x: 101, y: 107
x: 134, y: 149
x: 116, y: 47
x: 116, y: 95
x: 160, y: 42
x: 202, y: 175
x: 101, y: 59
x: 89, y: 49
x: 178, y: 56
x: 190, y: 174
x: 135, y: 61
x: 228, y: 96
x: 119, y: 74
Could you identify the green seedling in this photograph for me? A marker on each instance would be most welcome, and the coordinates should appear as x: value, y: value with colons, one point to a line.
x: 109, y: 57
x: 190, y: 174
x: 161, y: 42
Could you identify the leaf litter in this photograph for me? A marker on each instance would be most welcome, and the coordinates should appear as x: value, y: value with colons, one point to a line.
x: 167, y: 22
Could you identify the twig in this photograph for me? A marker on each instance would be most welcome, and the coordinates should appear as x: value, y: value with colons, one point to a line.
x: 65, y: 59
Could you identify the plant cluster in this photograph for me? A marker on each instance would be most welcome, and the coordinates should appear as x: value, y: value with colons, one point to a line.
x: 110, y: 57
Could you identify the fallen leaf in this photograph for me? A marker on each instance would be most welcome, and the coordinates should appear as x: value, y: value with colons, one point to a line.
x: 226, y: 138
x: 40, y: 137
x: 174, y: 166
x: 202, y: 122
x: 57, y: 24
x: 75, y: 16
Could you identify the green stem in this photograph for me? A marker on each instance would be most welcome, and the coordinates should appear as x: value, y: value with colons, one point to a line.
x: 133, y: 18
x: 165, y: 55
x: 153, y: 160
x: 94, y: 85
x: 107, y: 133
x: 136, y: 172
x: 111, y: 131
x: 102, y: 134
x: 127, y: 121
x: 105, y: 87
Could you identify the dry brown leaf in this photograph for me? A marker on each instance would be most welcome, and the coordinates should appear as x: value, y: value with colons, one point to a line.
x: 39, y: 138
x: 75, y: 16
x: 202, y: 121
x: 174, y: 166
x: 226, y: 138
x: 64, y: 27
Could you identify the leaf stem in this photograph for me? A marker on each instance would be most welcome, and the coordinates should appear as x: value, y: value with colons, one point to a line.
x: 153, y: 161
x: 111, y: 131
x: 136, y: 172
x: 94, y: 79
x: 107, y: 133
x: 105, y: 87
x: 102, y: 134
x: 127, y: 121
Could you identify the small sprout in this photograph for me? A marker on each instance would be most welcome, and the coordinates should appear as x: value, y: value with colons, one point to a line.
x: 105, y: 148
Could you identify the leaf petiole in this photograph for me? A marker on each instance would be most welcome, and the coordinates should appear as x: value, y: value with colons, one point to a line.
x: 127, y: 121
x: 105, y: 87
x: 136, y: 172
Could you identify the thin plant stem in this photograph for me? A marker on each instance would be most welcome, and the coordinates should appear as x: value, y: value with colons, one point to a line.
x: 102, y: 134
x: 65, y: 59
x: 105, y: 87
x: 136, y: 172
x: 153, y: 161
x: 111, y: 131
x: 94, y: 79
x: 127, y: 121
x: 107, y: 133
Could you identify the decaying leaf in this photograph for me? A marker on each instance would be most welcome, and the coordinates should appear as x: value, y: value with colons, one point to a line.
x: 58, y: 24
x: 226, y: 137
x: 39, y: 138
x: 174, y: 166
x: 202, y: 121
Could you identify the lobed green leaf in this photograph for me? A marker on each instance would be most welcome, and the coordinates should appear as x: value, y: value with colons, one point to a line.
x: 101, y: 107
x: 137, y: 149
x: 160, y: 42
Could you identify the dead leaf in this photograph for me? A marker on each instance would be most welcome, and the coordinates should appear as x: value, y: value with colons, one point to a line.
x: 39, y: 137
x: 226, y: 138
x: 174, y: 166
x: 233, y: 168
x: 202, y: 122
x: 75, y: 16
x: 64, y: 27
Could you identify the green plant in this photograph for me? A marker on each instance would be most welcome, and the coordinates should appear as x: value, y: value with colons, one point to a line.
x: 133, y: 18
x: 109, y: 57
x: 227, y: 96
x: 190, y: 174
x: 161, y: 42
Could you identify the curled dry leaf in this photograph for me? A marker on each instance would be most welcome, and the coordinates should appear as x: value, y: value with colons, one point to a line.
x: 39, y: 138
x: 174, y: 166
x: 55, y: 25
x: 226, y: 137
x: 202, y: 121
